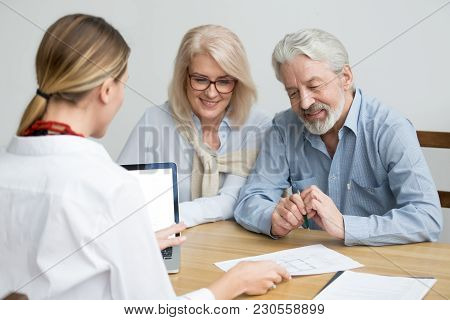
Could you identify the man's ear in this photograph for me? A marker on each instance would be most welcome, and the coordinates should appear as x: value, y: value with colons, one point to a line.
x: 106, y: 90
x: 347, y: 77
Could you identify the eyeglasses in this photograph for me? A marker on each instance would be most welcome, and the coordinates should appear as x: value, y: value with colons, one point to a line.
x: 200, y: 83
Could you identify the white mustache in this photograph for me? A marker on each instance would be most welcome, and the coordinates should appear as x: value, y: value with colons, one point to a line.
x: 316, y: 107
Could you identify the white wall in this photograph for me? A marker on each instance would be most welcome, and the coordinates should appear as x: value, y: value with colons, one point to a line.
x: 410, y: 74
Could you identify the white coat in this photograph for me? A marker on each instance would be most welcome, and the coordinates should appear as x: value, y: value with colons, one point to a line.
x: 72, y: 225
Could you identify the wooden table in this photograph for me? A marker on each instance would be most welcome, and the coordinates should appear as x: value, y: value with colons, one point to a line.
x: 227, y: 240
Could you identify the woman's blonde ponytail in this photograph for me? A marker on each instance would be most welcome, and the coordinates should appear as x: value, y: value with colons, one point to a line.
x: 77, y: 53
x: 34, y: 111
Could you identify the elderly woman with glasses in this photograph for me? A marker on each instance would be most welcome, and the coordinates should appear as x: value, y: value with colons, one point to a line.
x: 207, y: 127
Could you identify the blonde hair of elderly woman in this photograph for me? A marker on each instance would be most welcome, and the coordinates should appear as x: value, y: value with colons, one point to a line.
x: 227, y: 50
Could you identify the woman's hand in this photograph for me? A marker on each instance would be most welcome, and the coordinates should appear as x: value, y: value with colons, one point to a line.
x: 249, y: 277
x: 162, y: 236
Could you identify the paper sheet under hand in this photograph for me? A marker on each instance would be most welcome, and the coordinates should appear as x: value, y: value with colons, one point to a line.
x: 364, y: 286
x: 315, y: 259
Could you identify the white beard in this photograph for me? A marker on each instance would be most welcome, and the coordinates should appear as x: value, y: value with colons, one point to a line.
x: 320, y: 127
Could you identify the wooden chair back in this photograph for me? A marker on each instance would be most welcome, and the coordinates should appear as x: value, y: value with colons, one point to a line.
x: 16, y: 296
x: 434, y: 139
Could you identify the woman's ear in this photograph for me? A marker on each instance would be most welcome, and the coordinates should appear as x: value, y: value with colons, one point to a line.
x: 106, y: 90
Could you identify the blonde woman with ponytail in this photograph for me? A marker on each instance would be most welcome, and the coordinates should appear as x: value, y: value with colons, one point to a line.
x: 73, y: 224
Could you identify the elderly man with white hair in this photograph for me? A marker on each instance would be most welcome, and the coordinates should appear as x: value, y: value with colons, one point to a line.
x: 354, y: 166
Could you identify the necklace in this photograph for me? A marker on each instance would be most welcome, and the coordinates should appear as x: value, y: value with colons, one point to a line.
x: 43, y: 128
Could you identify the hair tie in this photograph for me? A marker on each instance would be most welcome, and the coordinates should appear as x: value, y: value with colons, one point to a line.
x: 43, y: 94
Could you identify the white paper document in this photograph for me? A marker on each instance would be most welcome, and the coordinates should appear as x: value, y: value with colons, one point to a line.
x: 315, y: 259
x: 364, y: 286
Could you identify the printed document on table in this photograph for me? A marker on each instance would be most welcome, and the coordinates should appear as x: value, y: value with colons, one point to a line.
x: 364, y: 286
x: 315, y: 259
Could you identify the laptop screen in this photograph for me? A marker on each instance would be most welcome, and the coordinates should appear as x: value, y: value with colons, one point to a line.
x: 159, y: 185
x: 157, y: 182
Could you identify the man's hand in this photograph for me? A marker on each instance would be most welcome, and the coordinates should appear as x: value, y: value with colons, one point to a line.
x: 323, y: 211
x: 288, y: 215
x: 162, y: 236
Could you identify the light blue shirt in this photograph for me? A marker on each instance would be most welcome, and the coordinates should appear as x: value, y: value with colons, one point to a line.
x: 378, y: 177
x: 155, y: 138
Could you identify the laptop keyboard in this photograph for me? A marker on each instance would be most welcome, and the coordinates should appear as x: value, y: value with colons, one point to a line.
x: 167, y: 253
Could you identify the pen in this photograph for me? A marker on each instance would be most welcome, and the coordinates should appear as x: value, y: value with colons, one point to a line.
x: 305, y: 217
x: 306, y: 223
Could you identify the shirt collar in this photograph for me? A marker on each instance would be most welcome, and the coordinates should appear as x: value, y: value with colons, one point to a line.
x: 55, y: 145
x: 351, y: 121
x: 225, y: 124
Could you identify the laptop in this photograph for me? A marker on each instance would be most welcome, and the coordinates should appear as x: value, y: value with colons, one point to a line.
x: 159, y: 185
